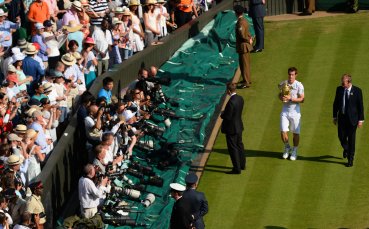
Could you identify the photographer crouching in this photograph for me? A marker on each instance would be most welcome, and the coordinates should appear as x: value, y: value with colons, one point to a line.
x: 91, y: 194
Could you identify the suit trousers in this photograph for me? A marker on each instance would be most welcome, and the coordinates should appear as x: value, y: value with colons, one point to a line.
x: 347, y: 136
x: 244, y: 61
x: 259, y: 32
x: 236, y: 151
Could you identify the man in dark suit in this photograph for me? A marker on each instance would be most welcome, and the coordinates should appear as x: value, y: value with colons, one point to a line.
x: 257, y: 12
x: 197, y: 200
x: 348, y: 112
x: 243, y: 45
x: 232, y: 126
x: 181, y: 214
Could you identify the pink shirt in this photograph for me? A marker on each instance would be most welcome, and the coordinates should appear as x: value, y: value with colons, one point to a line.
x: 69, y: 16
x: 53, y: 7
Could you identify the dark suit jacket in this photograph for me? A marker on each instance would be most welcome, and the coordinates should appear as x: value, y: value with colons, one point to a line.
x: 256, y: 8
x: 232, y: 116
x: 355, y: 107
x: 199, y: 206
x: 243, y: 36
x: 181, y: 215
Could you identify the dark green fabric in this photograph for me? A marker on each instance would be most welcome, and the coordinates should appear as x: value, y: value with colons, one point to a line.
x: 199, y: 72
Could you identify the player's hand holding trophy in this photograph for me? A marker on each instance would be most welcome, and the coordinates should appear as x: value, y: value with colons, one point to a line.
x: 285, y: 92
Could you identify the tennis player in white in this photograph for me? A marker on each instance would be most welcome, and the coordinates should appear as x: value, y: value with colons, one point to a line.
x: 290, y: 115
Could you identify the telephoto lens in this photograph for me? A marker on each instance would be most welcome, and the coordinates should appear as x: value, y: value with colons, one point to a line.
x: 135, y: 173
x: 149, y: 200
x: 134, y: 194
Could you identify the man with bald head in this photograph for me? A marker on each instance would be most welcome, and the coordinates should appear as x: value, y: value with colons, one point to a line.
x: 93, y: 124
x: 153, y: 71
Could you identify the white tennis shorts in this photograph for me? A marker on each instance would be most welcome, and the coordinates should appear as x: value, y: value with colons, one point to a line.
x: 290, y: 122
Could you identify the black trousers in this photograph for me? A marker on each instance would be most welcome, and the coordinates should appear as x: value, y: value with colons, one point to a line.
x: 347, y: 136
x: 259, y: 32
x: 236, y: 151
x: 182, y: 18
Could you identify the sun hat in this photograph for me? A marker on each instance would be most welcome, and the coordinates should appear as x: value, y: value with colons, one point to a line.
x: 47, y: 87
x: 68, y: 59
x: 31, y: 49
x: 72, y: 26
x: 39, y: 26
x: 18, y: 57
x: 77, y: 5
x: 22, y: 43
x: 16, y: 50
x: 89, y: 40
x: 20, y: 129
x: 116, y: 20
x: 127, y: 12
x: 14, y: 137
x: 150, y: 2
x: 128, y: 114
x: 11, y: 68
x: 14, y: 160
x: 2, y: 13
x: 77, y: 55
x: 134, y: 3
x: 119, y: 10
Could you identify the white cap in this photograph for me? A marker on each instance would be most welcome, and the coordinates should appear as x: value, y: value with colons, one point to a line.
x: 128, y: 114
x: 178, y: 187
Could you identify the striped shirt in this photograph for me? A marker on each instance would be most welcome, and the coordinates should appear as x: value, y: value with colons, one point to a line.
x: 98, y: 7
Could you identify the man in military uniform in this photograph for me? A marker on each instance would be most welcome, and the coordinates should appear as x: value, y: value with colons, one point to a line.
x: 243, y: 45
x: 197, y: 200
x: 35, y: 206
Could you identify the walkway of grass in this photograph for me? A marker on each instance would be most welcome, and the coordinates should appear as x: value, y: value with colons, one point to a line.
x: 317, y: 190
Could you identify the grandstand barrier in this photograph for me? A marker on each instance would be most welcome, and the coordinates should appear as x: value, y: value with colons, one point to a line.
x: 61, y: 173
x: 277, y: 7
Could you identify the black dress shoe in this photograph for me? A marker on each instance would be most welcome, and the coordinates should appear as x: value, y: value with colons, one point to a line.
x: 244, y: 86
x: 344, y: 154
x: 350, y: 163
x: 233, y: 172
x: 256, y: 50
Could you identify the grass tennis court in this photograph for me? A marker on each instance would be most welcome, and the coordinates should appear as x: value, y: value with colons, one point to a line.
x: 317, y: 190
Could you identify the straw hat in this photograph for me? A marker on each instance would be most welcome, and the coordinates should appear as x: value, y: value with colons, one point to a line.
x: 127, y: 12
x: 47, y: 87
x: 77, y: 5
x: 119, y: 10
x: 31, y: 49
x: 115, y: 21
x: 31, y: 133
x: 22, y: 43
x: 14, y: 137
x: 68, y: 59
x: 150, y: 2
x: 134, y: 3
x: 77, y: 55
x: 11, y: 68
x: 89, y: 40
x: 2, y: 13
x: 72, y: 26
x: 14, y: 160
x: 20, y: 129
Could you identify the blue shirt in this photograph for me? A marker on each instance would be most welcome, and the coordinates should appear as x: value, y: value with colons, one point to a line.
x: 106, y: 94
x: 32, y: 68
x: 43, y: 47
x: 41, y: 139
x: 5, y: 28
x: 77, y: 36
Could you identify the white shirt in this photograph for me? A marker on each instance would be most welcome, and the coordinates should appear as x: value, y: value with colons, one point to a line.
x: 102, y: 40
x: 296, y: 91
x: 89, y: 195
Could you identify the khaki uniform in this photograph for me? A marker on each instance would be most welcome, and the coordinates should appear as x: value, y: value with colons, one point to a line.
x: 34, y: 206
x: 310, y: 6
x: 243, y: 48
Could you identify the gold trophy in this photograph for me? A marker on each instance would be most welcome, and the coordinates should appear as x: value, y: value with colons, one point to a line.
x: 285, y: 91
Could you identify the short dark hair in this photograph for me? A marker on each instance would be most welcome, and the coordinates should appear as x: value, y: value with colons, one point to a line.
x: 71, y: 43
x: 238, y: 9
x: 292, y: 69
x: 231, y: 87
x: 347, y: 76
x: 98, y: 149
x: 107, y: 80
x: 106, y: 136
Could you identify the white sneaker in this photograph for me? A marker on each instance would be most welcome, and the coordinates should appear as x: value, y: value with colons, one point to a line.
x: 286, y: 153
x: 293, y: 156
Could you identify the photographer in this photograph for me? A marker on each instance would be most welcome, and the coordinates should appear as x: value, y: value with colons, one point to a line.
x: 93, y: 124
x: 109, y: 142
x: 89, y: 194
x: 34, y: 205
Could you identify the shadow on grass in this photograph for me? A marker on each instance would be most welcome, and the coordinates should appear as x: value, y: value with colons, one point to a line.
x: 278, y: 155
x: 274, y: 227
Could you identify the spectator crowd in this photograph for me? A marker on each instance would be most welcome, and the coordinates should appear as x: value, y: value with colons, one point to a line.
x: 50, y: 54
